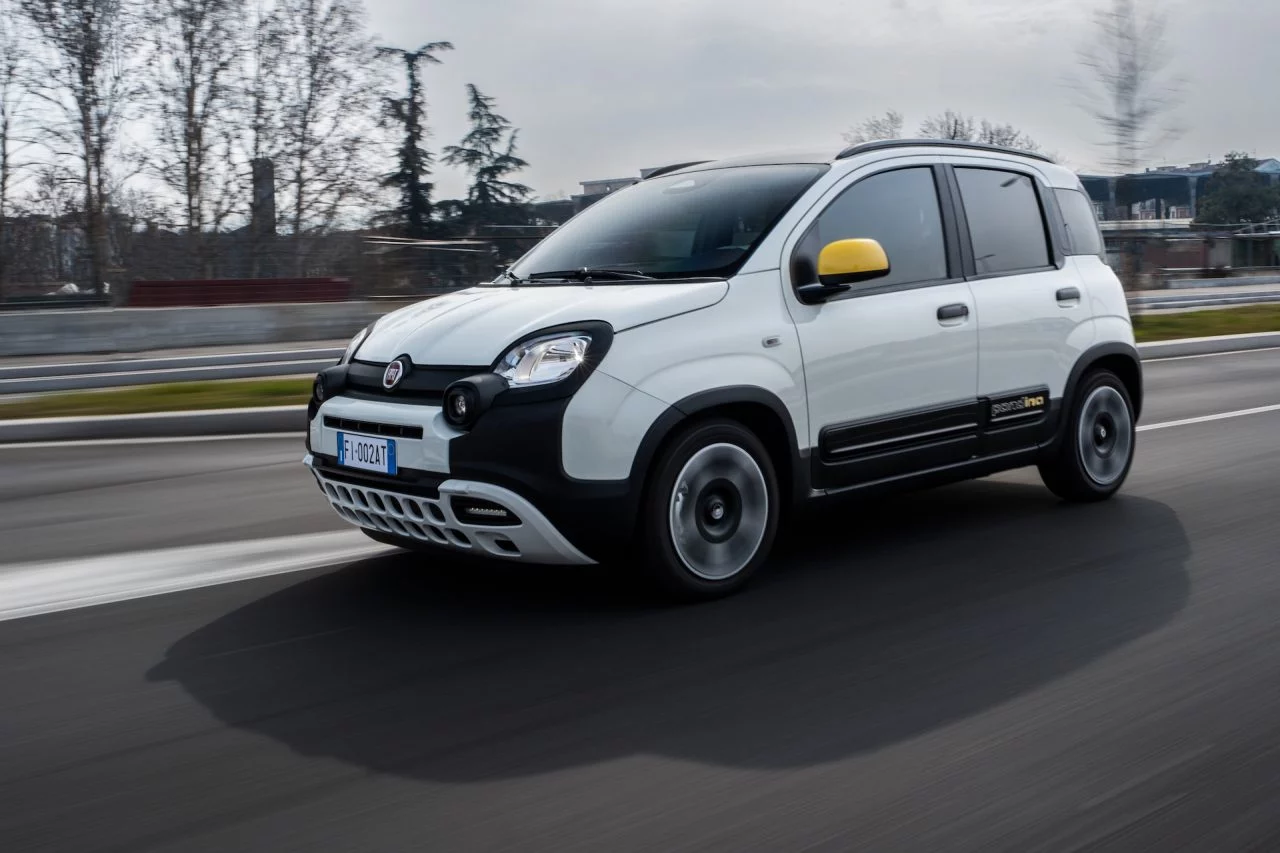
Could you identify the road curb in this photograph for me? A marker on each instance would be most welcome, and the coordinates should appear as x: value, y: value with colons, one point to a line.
x: 1208, y: 346
x: 286, y: 419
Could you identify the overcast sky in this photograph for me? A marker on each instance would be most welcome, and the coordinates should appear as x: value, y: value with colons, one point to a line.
x: 602, y: 88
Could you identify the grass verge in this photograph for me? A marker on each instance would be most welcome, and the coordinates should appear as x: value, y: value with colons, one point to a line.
x: 247, y: 393
x: 170, y: 397
x: 1246, y: 320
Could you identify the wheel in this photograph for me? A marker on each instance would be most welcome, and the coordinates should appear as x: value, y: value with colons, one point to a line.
x: 710, y: 516
x: 1097, y: 449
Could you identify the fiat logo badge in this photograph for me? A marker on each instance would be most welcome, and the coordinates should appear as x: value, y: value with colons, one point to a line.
x: 393, y: 374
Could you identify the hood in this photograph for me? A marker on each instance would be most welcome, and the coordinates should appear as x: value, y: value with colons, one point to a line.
x: 477, y: 326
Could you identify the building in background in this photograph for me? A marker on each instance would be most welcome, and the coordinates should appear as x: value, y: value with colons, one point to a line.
x: 1162, y: 193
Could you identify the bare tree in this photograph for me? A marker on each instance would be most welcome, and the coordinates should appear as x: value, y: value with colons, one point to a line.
x: 53, y: 198
x: 323, y: 83
x: 887, y: 126
x: 1128, y: 89
x: 949, y: 125
x: 89, y: 84
x: 198, y: 46
x: 1005, y: 135
x: 14, y: 103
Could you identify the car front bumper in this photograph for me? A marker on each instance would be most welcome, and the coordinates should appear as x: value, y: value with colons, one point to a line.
x: 431, y: 516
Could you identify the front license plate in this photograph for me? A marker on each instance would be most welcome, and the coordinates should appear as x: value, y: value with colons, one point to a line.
x: 367, y: 453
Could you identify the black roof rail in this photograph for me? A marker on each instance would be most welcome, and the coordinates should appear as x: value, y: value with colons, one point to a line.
x: 674, y: 167
x: 882, y: 144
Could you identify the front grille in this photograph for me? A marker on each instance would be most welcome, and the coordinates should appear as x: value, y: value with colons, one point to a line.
x: 418, y: 518
x: 423, y: 385
x: 371, y: 428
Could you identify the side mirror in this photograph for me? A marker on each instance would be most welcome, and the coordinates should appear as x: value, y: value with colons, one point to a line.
x: 844, y: 263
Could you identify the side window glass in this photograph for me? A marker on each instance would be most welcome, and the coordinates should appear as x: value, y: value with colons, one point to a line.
x: 1083, y: 234
x: 1006, y: 224
x: 900, y: 209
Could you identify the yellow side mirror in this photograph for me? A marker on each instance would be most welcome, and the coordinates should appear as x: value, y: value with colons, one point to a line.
x: 846, y: 262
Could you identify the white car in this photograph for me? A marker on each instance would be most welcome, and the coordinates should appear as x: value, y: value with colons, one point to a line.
x: 670, y: 372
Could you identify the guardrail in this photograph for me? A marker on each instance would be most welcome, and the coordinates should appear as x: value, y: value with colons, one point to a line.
x: 1206, y: 300
x: 78, y: 376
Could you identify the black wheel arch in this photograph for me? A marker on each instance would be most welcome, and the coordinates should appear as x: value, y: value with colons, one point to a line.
x: 1120, y: 358
x: 758, y: 409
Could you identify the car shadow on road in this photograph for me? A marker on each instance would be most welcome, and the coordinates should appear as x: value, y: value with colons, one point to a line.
x: 878, y: 622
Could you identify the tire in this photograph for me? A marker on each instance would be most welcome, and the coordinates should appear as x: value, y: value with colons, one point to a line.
x: 710, y: 515
x: 1096, y: 451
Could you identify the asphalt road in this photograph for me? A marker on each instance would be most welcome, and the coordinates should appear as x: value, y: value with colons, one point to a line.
x: 973, y: 668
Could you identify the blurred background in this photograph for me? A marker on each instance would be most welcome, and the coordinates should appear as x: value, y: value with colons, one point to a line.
x: 407, y: 149
x: 202, y: 200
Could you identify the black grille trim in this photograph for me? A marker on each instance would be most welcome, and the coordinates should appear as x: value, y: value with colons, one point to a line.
x: 423, y: 384
x: 371, y: 428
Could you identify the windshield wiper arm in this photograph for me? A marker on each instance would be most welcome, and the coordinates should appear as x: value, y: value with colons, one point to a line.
x: 585, y: 273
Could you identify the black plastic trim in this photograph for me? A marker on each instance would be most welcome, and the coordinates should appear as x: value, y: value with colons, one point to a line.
x: 1088, y: 359
x: 1020, y: 430
x: 479, y: 392
x: 969, y: 469
x: 895, y: 445
x: 520, y: 448
x: 702, y: 402
x: 887, y: 144
x: 964, y: 243
x: 874, y: 436
x: 422, y: 384
x: 373, y: 428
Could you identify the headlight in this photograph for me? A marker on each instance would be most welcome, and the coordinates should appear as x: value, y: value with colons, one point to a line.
x: 543, y: 361
x: 355, y: 344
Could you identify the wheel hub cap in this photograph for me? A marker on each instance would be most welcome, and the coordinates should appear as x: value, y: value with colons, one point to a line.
x: 1106, y: 435
x: 719, y: 511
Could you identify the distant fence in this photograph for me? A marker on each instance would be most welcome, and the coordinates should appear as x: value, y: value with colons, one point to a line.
x: 211, y: 292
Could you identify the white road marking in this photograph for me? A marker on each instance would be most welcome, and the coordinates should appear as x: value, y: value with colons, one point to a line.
x: 179, y: 439
x: 1204, y: 419
x: 32, y: 589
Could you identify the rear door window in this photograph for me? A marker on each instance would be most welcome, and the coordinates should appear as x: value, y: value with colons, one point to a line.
x: 1006, y: 223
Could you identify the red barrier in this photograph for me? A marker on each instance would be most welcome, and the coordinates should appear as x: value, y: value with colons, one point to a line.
x: 173, y: 294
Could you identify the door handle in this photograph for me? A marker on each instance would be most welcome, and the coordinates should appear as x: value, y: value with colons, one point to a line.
x: 1069, y: 294
x: 953, y: 312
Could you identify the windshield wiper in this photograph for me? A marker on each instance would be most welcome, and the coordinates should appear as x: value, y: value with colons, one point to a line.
x: 587, y: 273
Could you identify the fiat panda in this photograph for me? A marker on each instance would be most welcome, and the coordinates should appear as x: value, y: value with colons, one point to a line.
x: 669, y: 373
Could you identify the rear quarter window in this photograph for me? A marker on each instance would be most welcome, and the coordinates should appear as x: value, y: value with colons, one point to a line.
x: 1083, y: 235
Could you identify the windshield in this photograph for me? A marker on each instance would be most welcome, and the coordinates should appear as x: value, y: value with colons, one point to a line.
x: 699, y: 224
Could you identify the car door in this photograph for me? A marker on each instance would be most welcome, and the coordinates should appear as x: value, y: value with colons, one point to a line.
x: 1033, y: 318
x: 891, y: 365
